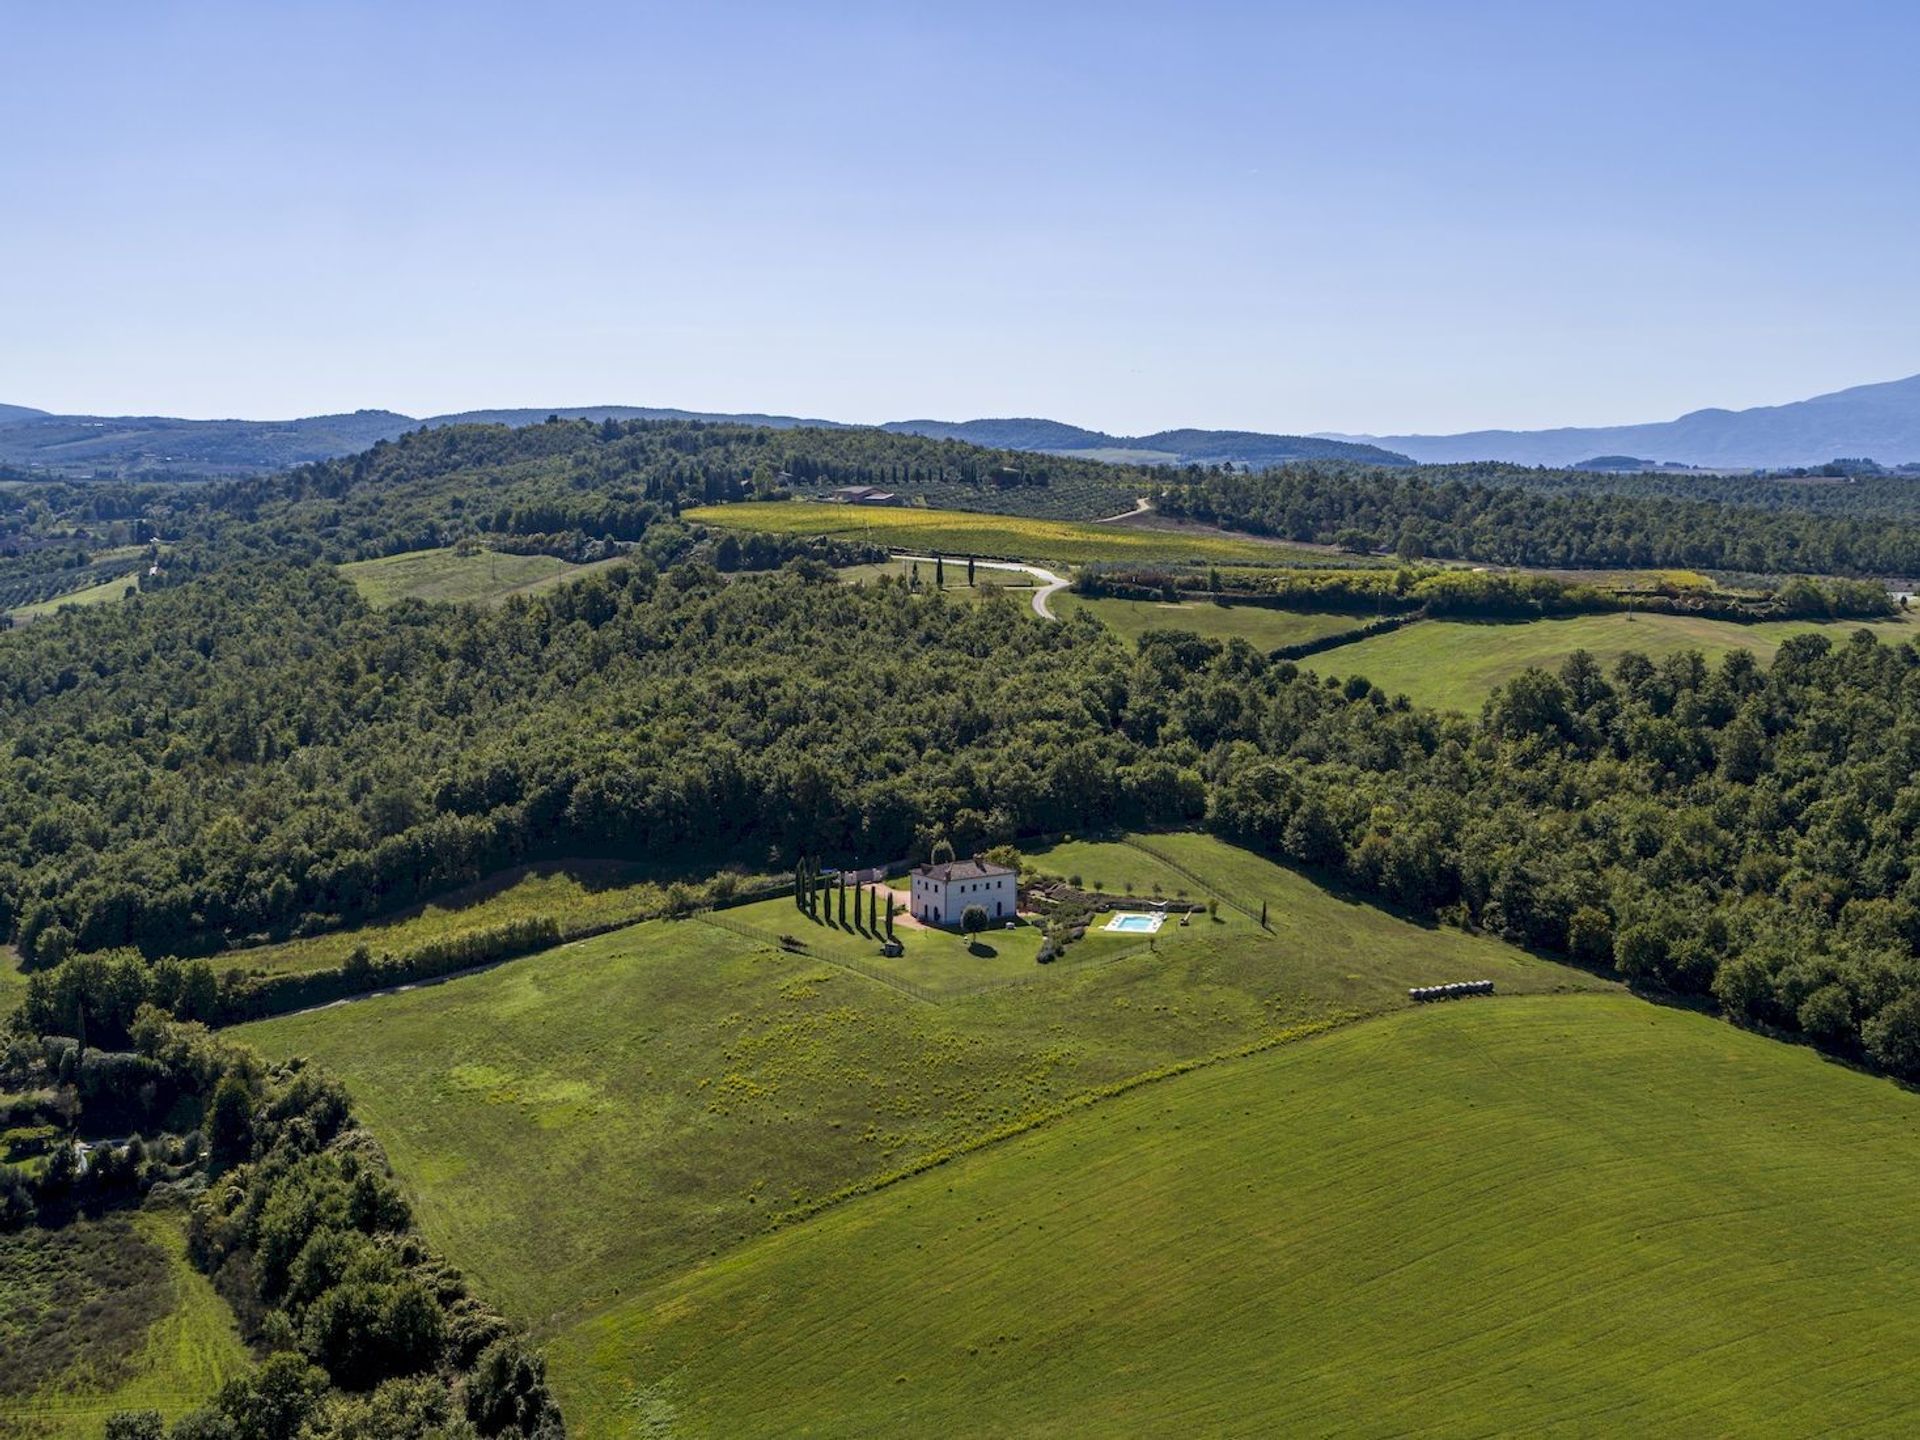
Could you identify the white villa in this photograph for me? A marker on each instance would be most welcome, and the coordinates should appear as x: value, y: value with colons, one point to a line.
x: 942, y: 893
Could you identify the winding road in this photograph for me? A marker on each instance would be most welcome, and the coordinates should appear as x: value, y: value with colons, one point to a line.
x: 1049, y: 582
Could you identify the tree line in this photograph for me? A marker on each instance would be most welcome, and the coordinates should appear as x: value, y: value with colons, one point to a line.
x: 1506, y: 516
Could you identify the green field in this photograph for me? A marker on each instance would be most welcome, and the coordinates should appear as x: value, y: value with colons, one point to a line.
x: 605, y: 1114
x: 13, y: 984
x: 1566, y: 1215
x: 577, y: 895
x: 963, y: 532
x: 482, y: 577
x: 114, y: 589
x: 1455, y: 664
x: 1259, y: 626
x: 107, y: 1315
x: 986, y: 581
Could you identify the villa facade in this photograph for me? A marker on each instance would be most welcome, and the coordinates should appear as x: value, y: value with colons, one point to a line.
x: 941, y: 894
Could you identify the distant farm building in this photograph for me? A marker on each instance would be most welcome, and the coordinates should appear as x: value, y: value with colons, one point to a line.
x: 941, y: 894
x: 865, y: 495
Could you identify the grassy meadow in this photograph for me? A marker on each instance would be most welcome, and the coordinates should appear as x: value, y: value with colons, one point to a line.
x: 1260, y: 627
x: 107, y: 1315
x: 13, y: 982
x: 1455, y: 664
x: 985, y: 581
x: 603, y: 1115
x: 482, y: 577
x: 1552, y: 1215
x: 963, y: 532
x: 578, y: 895
x: 100, y: 594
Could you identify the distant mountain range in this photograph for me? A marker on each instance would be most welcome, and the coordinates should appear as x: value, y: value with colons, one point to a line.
x: 1875, y: 422
x: 1879, y: 422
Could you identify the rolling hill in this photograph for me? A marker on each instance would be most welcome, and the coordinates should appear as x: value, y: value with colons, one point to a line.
x: 1547, y: 1215
x: 1164, y: 447
x: 1880, y: 422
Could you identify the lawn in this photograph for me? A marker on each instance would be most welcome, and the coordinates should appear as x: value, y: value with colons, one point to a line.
x: 482, y: 577
x: 1261, y: 627
x: 107, y: 1315
x: 1565, y: 1215
x: 600, y: 1116
x: 1455, y: 664
x: 964, y: 532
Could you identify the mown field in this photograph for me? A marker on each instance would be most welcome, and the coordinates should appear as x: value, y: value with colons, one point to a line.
x: 1260, y: 627
x: 482, y: 577
x: 1455, y: 664
x: 106, y: 590
x: 1555, y: 1215
x: 102, y: 1316
x: 603, y: 1115
x: 985, y: 581
x: 577, y: 895
x: 961, y: 532
x: 13, y: 984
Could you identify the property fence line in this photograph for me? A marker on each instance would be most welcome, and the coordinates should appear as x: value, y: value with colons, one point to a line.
x: 907, y: 987
x: 1165, y: 859
x: 807, y: 952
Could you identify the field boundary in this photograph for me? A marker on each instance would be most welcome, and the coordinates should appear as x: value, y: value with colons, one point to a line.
x: 1205, y: 884
x: 1012, y: 1130
x: 907, y: 987
x: 807, y: 952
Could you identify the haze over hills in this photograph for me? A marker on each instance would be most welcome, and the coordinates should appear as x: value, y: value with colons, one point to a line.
x: 1879, y: 422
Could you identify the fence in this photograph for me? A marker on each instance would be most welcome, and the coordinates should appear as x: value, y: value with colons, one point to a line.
x: 1165, y: 859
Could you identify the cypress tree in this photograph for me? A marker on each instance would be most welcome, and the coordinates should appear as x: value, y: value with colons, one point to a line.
x: 969, y: 572
x: 939, y: 572
x: 843, y: 899
x: 873, y: 910
x: 1263, y: 914
x: 889, y: 917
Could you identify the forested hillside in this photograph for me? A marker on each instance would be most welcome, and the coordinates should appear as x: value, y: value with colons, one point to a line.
x: 258, y: 751
x: 1507, y: 516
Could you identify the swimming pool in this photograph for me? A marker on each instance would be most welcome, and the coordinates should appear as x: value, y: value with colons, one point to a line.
x: 1135, y: 923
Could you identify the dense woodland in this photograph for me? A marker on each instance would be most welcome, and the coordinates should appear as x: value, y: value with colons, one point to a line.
x: 1505, y: 515
x: 364, y: 1332
x: 575, y: 487
x: 257, y: 752
x: 248, y: 750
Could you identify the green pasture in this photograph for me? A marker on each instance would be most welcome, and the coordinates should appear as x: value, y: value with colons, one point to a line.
x: 1455, y: 664
x: 1259, y: 626
x: 985, y: 581
x: 106, y: 590
x: 107, y: 1315
x: 479, y: 577
x: 1548, y: 1215
x: 600, y: 1116
x: 963, y: 532
x: 577, y: 895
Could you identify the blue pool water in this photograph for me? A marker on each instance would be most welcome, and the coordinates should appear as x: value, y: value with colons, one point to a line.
x: 1135, y: 923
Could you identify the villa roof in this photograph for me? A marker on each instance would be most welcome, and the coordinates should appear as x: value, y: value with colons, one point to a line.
x: 961, y: 870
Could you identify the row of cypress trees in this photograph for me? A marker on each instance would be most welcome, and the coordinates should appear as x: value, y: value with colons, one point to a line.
x: 814, y: 889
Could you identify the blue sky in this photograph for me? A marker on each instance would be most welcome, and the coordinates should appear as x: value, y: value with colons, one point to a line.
x: 1355, y: 216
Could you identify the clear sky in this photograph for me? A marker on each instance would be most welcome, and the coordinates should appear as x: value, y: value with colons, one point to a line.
x: 1332, y: 216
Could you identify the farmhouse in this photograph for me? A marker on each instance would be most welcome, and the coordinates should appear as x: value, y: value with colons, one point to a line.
x: 942, y: 893
x: 865, y: 495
